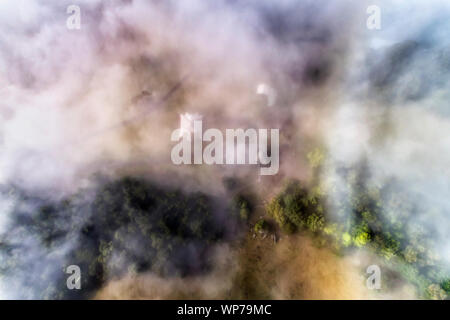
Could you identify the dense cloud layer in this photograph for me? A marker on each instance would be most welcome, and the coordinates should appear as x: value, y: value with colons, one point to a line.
x: 103, y: 100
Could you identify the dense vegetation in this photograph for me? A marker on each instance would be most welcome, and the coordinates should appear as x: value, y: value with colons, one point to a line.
x: 129, y: 225
x: 380, y: 218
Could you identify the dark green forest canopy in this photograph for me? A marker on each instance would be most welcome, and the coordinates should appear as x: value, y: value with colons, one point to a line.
x: 127, y: 225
